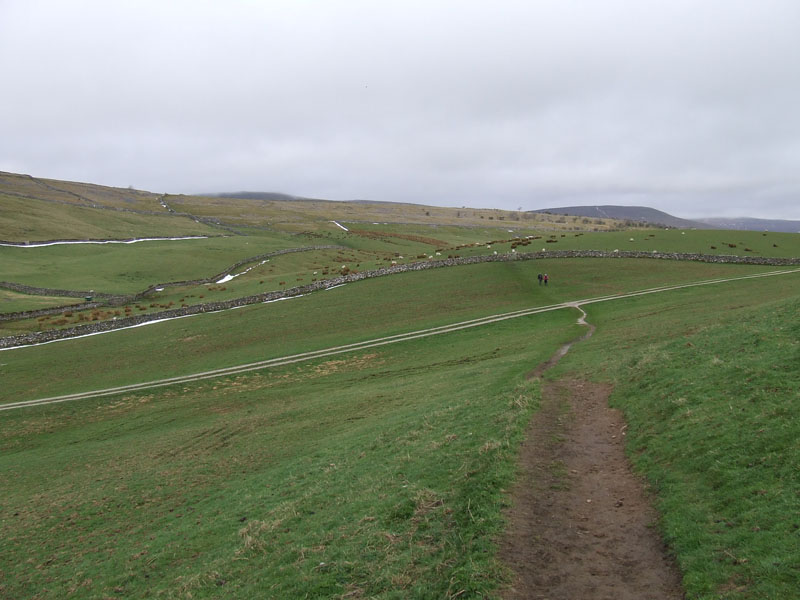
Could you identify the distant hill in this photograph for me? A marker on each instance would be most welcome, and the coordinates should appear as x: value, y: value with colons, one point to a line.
x: 68, y: 210
x: 749, y: 224
x: 277, y: 196
x: 639, y: 214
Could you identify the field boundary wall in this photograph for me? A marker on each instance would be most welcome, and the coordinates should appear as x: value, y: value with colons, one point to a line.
x: 54, y: 334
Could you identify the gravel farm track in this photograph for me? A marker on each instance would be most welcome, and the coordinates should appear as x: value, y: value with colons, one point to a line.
x: 306, y: 356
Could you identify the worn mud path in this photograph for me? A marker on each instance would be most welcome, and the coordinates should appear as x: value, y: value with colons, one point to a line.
x: 581, y: 525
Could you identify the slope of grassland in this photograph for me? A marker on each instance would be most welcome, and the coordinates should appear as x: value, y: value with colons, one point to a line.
x: 306, y: 214
x: 11, y: 301
x: 356, y: 312
x: 34, y: 219
x: 711, y: 392
x: 129, y: 268
x: 293, y: 216
x: 81, y: 194
x: 379, y: 473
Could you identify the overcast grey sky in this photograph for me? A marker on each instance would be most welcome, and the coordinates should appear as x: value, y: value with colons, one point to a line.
x: 687, y: 106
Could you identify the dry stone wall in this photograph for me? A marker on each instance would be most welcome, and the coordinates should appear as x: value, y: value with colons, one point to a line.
x: 46, y: 336
x: 119, y: 299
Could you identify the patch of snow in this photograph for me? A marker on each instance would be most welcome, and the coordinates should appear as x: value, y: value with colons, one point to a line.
x: 279, y: 299
x: 339, y: 225
x: 228, y: 277
x: 133, y: 241
x: 101, y: 332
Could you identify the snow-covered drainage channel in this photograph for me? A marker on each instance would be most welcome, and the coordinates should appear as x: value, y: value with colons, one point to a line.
x: 229, y: 277
x: 133, y: 241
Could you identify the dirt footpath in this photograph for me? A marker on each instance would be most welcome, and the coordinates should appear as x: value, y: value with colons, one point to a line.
x: 581, y: 527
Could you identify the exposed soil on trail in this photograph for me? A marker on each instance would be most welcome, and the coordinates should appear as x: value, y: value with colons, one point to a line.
x: 580, y: 526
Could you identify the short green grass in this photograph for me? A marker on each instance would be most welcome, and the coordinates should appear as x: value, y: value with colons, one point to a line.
x: 11, y: 301
x: 131, y: 268
x: 379, y: 474
x: 714, y: 242
x: 711, y: 392
x: 359, y: 311
x: 30, y: 220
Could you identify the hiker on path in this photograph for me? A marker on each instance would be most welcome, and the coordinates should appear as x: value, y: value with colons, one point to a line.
x: 540, y: 279
x: 546, y: 278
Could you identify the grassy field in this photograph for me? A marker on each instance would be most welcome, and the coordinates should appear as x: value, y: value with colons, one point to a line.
x: 381, y: 472
x: 34, y: 208
x: 14, y: 301
x: 125, y: 267
x: 78, y: 194
x: 378, y: 473
x: 31, y: 219
x: 711, y: 391
x: 385, y: 306
x: 130, y: 268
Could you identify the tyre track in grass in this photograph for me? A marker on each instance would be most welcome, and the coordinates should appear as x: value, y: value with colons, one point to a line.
x: 393, y: 339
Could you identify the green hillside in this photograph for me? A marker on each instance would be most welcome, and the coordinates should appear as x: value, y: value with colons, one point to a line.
x: 381, y: 471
